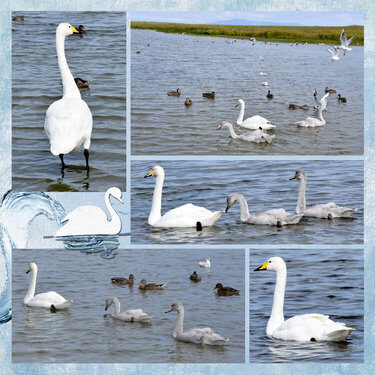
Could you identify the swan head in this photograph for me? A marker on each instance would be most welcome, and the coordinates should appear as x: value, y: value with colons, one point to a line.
x: 272, y: 264
x: 66, y: 29
x: 231, y: 200
x: 239, y: 102
x: 116, y: 193
x: 32, y: 267
x: 156, y: 171
x: 299, y: 175
x: 224, y: 123
x: 177, y: 306
x: 108, y: 302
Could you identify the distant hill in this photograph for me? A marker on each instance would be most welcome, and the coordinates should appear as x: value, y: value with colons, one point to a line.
x: 243, y: 22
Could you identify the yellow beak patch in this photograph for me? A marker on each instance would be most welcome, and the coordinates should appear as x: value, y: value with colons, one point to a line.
x: 74, y: 29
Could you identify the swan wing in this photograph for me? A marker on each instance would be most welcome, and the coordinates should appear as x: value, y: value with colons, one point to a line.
x: 328, y: 210
x: 255, y: 122
x: 68, y: 125
x: 133, y: 316
x: 46, y: 300
x: 194, y: 335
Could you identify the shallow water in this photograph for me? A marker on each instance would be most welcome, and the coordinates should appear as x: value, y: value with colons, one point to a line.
x: 204, y: 64
x: 98, y: 57
x: 265, y: 185
x: 83, y: 334
x: 329, y: 282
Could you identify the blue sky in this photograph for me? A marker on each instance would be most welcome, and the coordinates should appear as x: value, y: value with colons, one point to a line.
x: 300, y: 18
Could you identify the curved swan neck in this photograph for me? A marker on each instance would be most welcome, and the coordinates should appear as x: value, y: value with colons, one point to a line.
x: 69, y: 86
x: 277, y: 314
x: 231, y: 131
x: 245, y: 214
x: 180, y: 321
x: 301, y: 204
x: 113, y: 216
x: 155, y: 213
x: 31, y: 291
x: 241, y: 114
x: 117, y: 306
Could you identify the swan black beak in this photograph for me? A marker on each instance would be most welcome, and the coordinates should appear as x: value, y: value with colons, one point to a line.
x: 293, y: 178
x: 168, y: 311
x: 27, y: 271
x: 263, y: 267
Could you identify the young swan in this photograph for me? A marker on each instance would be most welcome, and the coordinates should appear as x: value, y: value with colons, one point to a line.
x: 195, y: 335
x: 303, y: 328
x: 322, y: 211
x: 127, y: 315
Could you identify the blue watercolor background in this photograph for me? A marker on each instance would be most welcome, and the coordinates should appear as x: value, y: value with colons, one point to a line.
x: 368, y: 7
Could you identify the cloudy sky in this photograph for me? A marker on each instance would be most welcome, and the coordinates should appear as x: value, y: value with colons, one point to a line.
x: 251, y: 18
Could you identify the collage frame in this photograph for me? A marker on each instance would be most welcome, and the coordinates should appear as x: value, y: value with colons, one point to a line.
x: 368, y: 365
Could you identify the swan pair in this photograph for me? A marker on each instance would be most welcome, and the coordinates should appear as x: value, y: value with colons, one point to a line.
x: 68, y: 122
x: 49, y: 300
x: 195, y: 335
x: 302, y: 328
x: 184, y: 216
x: 254, y: 122
x: 92, y: 220
x: 322, y: 211
x: 257, y: 136
x: 126, y: 315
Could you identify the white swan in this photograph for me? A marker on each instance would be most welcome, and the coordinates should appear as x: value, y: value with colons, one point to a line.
x: 322, y: 211
x: 253, y: 122
x: 312, y: 122
x: 127, y: 315
x: 194, y: 335
x: 68, y: 122
x: 257, y: 136
x: 184, y: 216
x: 307, y: 327
x: 334, y: 54
x: 49, y: 300
x: 278, y: 216
x: 344, y: 42
x: 92, y: 220
x: 205, y: 263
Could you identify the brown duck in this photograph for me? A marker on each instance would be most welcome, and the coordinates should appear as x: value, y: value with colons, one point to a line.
x: 81, y: 83
x: 210, y: 95
x: 152, y: 286
x: 195, y: 277
x: 295, y: 106
x: 188, y: 102
x: 225, y: 290
x: 174, y: 93
x: 123, y: 280
x: 331, y: 91
x: 341, y: 99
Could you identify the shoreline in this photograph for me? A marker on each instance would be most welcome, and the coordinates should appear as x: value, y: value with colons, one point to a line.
x: 281, y: 34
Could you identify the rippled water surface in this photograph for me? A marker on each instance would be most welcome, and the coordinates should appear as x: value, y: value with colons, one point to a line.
x: 328, y: 282
x: 83, y: 334
x: 265, y: 185
x: 98, y: 57
x: 162, y: 124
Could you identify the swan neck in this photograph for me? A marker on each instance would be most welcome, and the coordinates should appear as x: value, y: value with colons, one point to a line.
x: 31, y: 291
x: 320, y: 114
x: 245, y: 214
x: 241, y: 114
x: 155, y: 213
x: 117, y: 306
x: 301, y: 204
x: 277, y: 314
x: 180, y: 322
x: 113, y: 216
x: 69, y: 86
x: 231, y: 131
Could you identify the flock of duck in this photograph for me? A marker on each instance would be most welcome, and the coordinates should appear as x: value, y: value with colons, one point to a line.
x: 190, y: 215
x: 54, y: 302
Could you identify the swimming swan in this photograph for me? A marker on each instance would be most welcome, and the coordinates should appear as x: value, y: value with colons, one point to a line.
x: 49, y: 300
x: 303, y: 328
x: 278, y: 216
x: 257, y: 136
x: 194, y: 335
x: 187, y: 215
x: 68, y: 122
x: 205, y: 263
x: 127, y: 315
x: 253, y: 122
x: 322, y: 211
x: 92, y: 220
x: 312, y: 122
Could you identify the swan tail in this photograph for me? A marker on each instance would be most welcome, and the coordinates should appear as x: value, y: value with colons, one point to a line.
x: 294, y: 218
x: 211, y: 220
x: 64, y: 305
x: 340, y: 334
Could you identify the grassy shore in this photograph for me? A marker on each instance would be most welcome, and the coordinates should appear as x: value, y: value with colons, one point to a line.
x: 300, y: 34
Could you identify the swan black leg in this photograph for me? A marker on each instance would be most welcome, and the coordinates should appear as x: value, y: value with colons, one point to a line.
x: 86, y: 153
x: 62, y: 161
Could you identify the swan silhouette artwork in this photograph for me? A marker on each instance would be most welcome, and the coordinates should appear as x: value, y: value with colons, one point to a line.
x: 136, y: 315
x: 322, y: 211
x: 92, y: 220
x: 68, y: 122
x: 49, y: 300
x: 277, y: 216
x: 195, y: 335
x: 303, y: 328
x: 184, y: 216
x: 254, y: 122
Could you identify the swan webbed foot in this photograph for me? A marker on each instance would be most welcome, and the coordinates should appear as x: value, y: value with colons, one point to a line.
x: 53, y: 309
x: 199, y: 226
x: 86, y: 153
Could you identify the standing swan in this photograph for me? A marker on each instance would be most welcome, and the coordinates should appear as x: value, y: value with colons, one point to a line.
x: 254, y: 122
x: 184, y: 216
x: 92, y: 220
x: 194, y: 335
x: 322, y: 211
x: 49, y: 300
x: 303, y: 328
x: 68, y: 122
x: 277, y: 216
x: 127, y: 315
